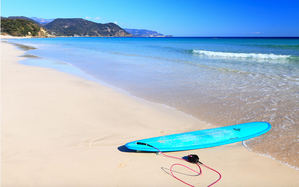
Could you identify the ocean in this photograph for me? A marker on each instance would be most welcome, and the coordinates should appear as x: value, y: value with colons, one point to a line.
x: 223, y: 81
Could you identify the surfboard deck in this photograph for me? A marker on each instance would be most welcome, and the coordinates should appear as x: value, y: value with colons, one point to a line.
x: 202, y: 138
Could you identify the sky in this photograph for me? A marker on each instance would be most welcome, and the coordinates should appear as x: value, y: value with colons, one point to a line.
x: 173, y: 17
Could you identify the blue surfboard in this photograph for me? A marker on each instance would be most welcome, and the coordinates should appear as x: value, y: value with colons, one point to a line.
x: 202, y: 138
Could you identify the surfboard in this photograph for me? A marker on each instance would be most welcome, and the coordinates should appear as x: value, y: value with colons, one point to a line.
x: 202, y: 138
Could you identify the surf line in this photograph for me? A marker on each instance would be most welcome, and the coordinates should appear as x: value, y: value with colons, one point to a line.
x: 194, y: 159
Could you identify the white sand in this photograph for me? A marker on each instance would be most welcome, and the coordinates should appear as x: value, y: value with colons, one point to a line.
x: 61, y: 130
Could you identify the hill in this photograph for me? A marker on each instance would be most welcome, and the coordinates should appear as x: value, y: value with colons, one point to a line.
x: 82, y: 27
x: 18, y: 26
x: 70, y: 27
x: 144, y: 33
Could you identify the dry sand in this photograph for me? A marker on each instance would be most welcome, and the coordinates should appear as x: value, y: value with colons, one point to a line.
x: 61, y: 130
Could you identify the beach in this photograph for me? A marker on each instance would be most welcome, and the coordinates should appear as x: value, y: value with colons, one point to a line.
x: 221, y: 81
x: 58, y: 129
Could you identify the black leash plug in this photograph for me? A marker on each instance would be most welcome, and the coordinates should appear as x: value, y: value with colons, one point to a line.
x: 193, y: 159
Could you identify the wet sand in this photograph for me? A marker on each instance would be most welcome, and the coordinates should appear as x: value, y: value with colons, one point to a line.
x: 61, y: 130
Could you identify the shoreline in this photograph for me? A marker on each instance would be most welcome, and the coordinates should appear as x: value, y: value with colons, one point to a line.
x: 146, y: 120
x: 26, y: 48
x: 117, y: 89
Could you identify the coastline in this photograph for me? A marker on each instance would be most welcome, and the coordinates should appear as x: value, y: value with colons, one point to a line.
x: 69, y: 129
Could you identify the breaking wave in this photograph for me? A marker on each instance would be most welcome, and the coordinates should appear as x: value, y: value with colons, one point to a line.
x: 255, y: 56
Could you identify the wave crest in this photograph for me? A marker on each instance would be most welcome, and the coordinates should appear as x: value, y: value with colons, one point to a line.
x: 256, y: 56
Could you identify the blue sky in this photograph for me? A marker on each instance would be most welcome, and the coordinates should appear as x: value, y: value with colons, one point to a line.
x: 175, y: 17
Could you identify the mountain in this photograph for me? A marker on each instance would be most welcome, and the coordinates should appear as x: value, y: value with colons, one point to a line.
x: 76, y: 27
x: 82, y: 27
x: 145, y: 33
x: 41, y: 21
x: 19, y: 26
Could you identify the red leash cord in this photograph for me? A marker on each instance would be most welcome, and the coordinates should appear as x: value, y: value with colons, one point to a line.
x: 198, y: 163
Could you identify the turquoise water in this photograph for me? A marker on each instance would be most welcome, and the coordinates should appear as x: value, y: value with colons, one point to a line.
x: 223, y: 81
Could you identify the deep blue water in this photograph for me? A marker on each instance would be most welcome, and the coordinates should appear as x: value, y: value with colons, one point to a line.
x: 220, y: 80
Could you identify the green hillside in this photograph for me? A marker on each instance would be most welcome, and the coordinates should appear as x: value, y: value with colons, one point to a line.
x: 21, y: 27
x: 82, y: 27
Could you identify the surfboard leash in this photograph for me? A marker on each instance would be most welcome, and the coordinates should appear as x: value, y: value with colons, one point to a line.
x: 194, y: 159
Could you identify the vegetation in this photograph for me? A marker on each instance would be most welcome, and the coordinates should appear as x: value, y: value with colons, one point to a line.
x: 23, y: 26
x: 82, y: 27
x: 19, y: 27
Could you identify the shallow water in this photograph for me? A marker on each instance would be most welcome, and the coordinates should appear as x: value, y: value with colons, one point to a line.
x: 223, y: 81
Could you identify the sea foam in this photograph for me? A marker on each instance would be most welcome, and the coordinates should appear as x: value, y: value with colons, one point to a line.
x: 256, y: 56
